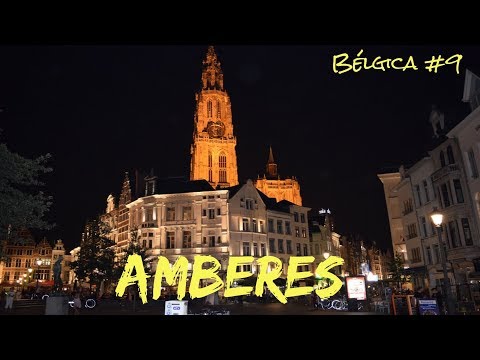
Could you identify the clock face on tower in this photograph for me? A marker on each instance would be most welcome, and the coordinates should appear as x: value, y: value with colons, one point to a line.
x: 216, y: 129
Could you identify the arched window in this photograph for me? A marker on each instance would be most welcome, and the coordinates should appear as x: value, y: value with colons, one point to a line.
x: 222, y: 174
x: 209, y: 108
x: 451, y: 159
x: 442, y: 158
x: 222, y: 164
x: 222, y: 160
x: 218, y: 110
x: 210, y: 164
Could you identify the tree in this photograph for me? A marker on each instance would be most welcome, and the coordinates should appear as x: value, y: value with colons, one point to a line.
x: 397, y: 271
x: 96, y: 257
x: 133, y: 247
x: 22, y: 204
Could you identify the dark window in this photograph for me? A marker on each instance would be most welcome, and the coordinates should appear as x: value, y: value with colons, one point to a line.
x: 295, y: 216
x: 187, y: 239
x: 451, y: 159
x: 288, y: 230
x: 458, y: 190
x: 425, y: 188
x: 150, y: 243
x: 263, y: 250
x: 436, y: 252
x: 279, y: 227
x: 270, y: 225
x: 419, y: 195
x: 211, y: 240
x: 204, y: 212
x: 209, y: 109
x: 445, y: 195
x: 255, y: 249
x: 170, y: 213
x: 299, y: 250
x: 466, y: 232
x: 280, y: 246
x: 442, y: 158
x: 473, y: 164
x: 452, y: 227
x: 305, y: 250
x: 423, y: 223
x: 429, y: 256
x: 289, y: 246
x: 302, y: 217
x: 246, y: 249
x: 271, y: 243
x: 170, y: 240
x: 211, y: 213
x: 245, y: 224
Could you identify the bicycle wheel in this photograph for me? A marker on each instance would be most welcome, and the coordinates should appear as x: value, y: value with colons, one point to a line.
x: 336, y: 304
x: 90, y: 303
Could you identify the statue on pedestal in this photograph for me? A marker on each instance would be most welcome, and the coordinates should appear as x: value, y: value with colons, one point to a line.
x: 57, y: 275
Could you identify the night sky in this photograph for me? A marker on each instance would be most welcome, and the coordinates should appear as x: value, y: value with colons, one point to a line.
x: 104, y: 110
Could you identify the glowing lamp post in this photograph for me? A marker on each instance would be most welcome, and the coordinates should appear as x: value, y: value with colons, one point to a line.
x: 39, y: 262
x: 437, y: 219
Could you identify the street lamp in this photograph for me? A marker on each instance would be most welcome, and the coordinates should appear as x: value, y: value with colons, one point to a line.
x: 437, y: 219
x: 39, y: 262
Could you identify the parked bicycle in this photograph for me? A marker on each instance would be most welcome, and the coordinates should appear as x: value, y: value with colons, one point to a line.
x: 89, y: 303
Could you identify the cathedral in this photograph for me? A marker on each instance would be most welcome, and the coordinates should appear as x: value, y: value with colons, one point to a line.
x: 213, y: 150
x: 272, y: 185
x: 211, y: 212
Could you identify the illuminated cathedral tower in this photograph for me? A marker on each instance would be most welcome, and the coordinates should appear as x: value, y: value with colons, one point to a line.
x: 275, y: 187
x: 213, y: 150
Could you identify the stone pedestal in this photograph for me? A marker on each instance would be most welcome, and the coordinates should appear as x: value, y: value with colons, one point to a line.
x: 57, y: 305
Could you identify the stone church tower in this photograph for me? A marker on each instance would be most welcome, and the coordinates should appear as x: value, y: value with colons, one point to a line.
x: 213, y: 150
x: 274, y: 186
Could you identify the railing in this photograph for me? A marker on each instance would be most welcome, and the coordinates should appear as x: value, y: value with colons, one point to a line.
x: 444, y: 171
x: 180, y: 222
x: 149, y: 225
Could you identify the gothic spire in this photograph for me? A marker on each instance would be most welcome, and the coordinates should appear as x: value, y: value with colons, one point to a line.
x: 270, y: 157
x: 126, y: 195
x: 271, y: 166
x: 212, y: 75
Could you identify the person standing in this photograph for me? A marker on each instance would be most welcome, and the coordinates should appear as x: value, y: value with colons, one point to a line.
x: 9, y: 300
x: 77, y: 303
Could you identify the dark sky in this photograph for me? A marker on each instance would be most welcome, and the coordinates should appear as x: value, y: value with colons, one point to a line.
x: 104, y: 110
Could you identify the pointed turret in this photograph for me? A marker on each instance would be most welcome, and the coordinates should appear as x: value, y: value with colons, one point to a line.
x: 126, y: 195
x: 271, y: 166
x: 212, y: 75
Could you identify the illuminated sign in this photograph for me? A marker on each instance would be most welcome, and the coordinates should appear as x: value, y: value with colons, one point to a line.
x: 173, y: 307
x: 356, y: 287
x: 323, y: 211
x: 177, y: 274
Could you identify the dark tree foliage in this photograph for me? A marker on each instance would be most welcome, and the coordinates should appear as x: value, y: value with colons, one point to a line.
x: 22, y: 203
x: 397, y: 270
x: 96, y: 258
x: 134, y: 247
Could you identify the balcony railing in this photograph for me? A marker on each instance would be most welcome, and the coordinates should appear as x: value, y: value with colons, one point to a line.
x: 149, y: 225
x: 180, y: 222
x: 444, y: 171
